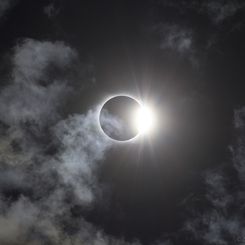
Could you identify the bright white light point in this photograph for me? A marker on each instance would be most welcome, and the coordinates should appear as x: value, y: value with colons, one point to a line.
x: 144, y: 120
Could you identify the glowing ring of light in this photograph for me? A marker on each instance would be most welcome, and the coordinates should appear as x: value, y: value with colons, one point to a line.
x: 143, y: 119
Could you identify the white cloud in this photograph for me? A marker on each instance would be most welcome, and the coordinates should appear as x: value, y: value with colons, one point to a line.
x: 176, y: 38
x: 32, y: 59
x: 47, y: 185
x: 17, y: 221
x: 82, y: 146
x: 27, y: 98
x: 219, y: 11
x: 179, y: 40
x: 112, y: 125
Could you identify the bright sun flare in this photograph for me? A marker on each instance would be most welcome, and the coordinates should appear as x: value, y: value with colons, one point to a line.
x: 144, y: 120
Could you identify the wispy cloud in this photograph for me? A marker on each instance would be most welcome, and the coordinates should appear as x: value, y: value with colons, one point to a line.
x: 5, y: 5
x: 222, y: 222
x: 176, y: 38
x: 51, y: 10
x: 82, y: 145
x: 34, y: 94
x: 219, y: 11
x: 48, y: 163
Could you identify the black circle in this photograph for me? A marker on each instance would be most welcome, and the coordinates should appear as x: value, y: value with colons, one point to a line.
x: 116, y: 118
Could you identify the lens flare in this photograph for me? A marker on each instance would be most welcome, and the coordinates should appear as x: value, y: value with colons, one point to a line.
x: 144, y: 120
x: 138, y: 118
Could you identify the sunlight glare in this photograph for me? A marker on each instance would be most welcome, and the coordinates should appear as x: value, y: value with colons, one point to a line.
x: 144, y: 120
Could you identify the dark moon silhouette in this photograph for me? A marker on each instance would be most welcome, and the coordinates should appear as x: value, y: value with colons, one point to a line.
x: 116, y: 118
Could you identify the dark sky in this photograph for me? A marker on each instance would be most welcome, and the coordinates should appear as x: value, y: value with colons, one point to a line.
x: 64, y: 182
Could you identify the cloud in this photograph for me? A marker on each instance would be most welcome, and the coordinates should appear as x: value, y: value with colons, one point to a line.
x: 112, y: 125
x: 32, y: 59
x: 238, y: 150
x: 222, y: 223
x: 51, y: 10
x: 25, y: 103
x: 176, y: 38
x: 215, y: 228
x: 6, y: 5
x: 239, y: 118
x: 17, y: 221
x: 178, y: 33
x: 217, y: 193
x: 35, y: 93
x: 48, y: 162
x: 219, y: 11
x: 82, y: 145
x: 49, y: 186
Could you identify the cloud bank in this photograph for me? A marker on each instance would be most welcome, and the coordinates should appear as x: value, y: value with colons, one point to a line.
x: 48, y: 162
